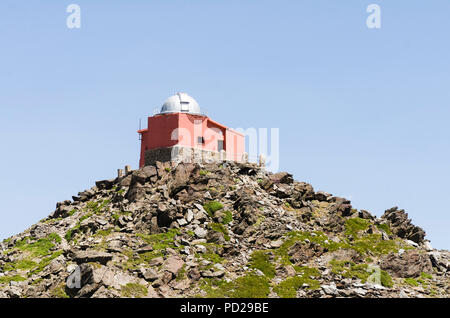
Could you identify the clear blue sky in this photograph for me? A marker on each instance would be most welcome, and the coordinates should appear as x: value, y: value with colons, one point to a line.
x: 363, y: 113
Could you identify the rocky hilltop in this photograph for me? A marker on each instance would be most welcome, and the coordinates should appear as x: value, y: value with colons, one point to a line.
x: 219, y: 230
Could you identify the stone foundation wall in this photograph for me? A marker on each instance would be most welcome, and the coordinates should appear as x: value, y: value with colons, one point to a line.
x: 181, y: 154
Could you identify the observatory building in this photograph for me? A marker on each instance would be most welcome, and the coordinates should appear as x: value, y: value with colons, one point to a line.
x: 181, y: 132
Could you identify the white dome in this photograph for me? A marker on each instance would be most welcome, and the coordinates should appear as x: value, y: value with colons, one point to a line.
x: 180, y: 103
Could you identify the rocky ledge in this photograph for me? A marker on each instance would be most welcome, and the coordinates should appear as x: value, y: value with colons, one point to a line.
x: 219, y: 230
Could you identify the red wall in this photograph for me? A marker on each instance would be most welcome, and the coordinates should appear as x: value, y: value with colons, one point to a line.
x: 235, y: 145
x: 184, y: 129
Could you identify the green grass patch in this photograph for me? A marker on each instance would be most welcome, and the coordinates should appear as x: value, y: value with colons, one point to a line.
x: 181, y: 273
x: 40, y: 247
x: 45, y: 262
x: 288, y: 288
x: 6, y: 241
x: 161, y: 240
x: 299, y: 236
x: 423, y: 279
x: 248, y: 286
x: 54, y: 237
x: 133, y: 290
x: 411, y: 282
x: 308, y: 271
x: 373, y: 244
x: 103, y: 233
x: 96, y: 207
x: 92, y: 207
x: 260, y: 219
x: 24, y: 264
x: 20, y: 244
x: 211, y: 207
x: 424, y: 275
x: 211, y: 257
x: 59, y: 292
x: 217, y: 288
x: 218, y: 227
x: 135, y: 260
x: 203, y: 172
x: 385, y: 228
x: 8, y: 279
x: 118, y: 214
x: 386, y: 279
x: 251, y: 286
x: 288, y: 206
x: 70, y: 234
x: 228, y: 218
x: 349, y: 269
x: 261, y: 260
x: 355, y: 225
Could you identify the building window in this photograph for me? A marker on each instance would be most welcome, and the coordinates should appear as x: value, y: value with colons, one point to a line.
x: 185, y: 106
x: 219, y: 145
x: 200, y: 140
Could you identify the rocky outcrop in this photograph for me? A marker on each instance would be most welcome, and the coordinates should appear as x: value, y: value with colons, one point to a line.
x: 218, y: 230
x: 402, y: 226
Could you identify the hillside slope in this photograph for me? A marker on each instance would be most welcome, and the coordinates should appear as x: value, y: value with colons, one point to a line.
x: 229, y: 230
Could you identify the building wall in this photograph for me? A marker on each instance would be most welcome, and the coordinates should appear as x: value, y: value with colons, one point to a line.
x: 235, y: 145
x: 193, y: 126
x: 183, y: 130
x: 158, y: 134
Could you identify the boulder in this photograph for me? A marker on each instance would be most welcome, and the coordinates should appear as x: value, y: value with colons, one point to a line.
x: 321, y: 196
x: 330, y: 289
x: 105, y: 184
x: 150, y: 274
x: 439, y: 261
x: 411, y: 263
x: 302, y: 252
x: 363, y: 214
x: 61, y: 211
x: 143, y: 175
x: 341, y: 206
x: 281, y: 177
x: 277, y: 178
x: 91, y: 256
x: 200, y: 232
x: 173, y: 264
x: 303, y: 191
x: 181, y: 178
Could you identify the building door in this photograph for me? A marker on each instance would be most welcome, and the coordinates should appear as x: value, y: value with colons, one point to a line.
x: 219, y: 145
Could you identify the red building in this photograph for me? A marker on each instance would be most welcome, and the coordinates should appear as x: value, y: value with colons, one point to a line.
x: 180, y: 132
